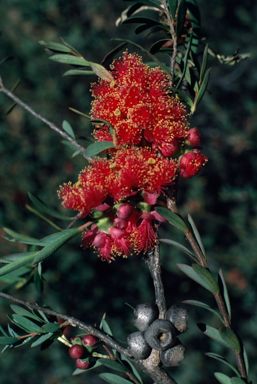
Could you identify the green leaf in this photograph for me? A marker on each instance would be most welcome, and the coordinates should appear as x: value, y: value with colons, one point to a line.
x: 27, y: 324
x: 51, y: 327
x: 8, y: 340
x: 172, y: 218
x: 213, y: 333
x: 70, y: 59
x: 16, y: 256
x: 246, y: 361
x: 202, y: 90
x: 196, y: 233
x: 19, y: 236
x: 185, y: 59
x: 124, y: 358
x: 147, y: 21
x: 182, y: 8
x: 237, y: 380
x: 110, y: 55
x: 225, y: 292
x: 183, y: 97
x: 114, y: 379
x: 203, y: 305
x: 55, y: 46
x: 98, y: 147
x: 41, y: 205
x: 9, y: 110
x: 56, y: 244
x: 23, y: 312
x: 157, y: 46
x: 204, y: 62
x: 23, y: 341
x: 41, y: 340
x: 230, y: 338
x: 79, y: 113
x: 17, y: 264
x: 113, y: 365
x: 173, y: 7
x: 207, y: 277
x: 72, y: 72
x: 195, y: 18
x: 67, y: 128
x: 179, y: 246
x: 101, y: 72
x: 223, y: 379
x: 193, y: 275
x: 220, y: 358
x: 79, y: 371
x: 3, y: 331
x: 106, y: 327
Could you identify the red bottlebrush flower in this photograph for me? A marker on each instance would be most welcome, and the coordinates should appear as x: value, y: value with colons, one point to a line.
x: 138, y: 100
x: 143, y: 236
x: 191, y: 163
x: 193, y: 136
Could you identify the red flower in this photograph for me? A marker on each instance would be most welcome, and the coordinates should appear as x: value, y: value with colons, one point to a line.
x: 191, y: 163
x: 138, y: 100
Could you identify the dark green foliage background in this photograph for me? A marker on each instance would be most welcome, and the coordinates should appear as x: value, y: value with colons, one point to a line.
x: 222, y: 198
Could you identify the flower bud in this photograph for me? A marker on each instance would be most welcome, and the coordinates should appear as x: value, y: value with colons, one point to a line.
x: 169, y: 149
x: 124, y: 210
x: 193, y: 137
x: 82, y: 364
x: 100, y: 239
x: 178, y: 317
x: 173, y: 356
x: 191, y: 163
x: 89, y: 340
x: 76, y: 351
x: 144, y: 315
x: 160, y: 335
x: 138, y: 346
x: 150, y: 198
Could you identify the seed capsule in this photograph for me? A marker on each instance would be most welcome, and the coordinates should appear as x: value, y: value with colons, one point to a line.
x: 173, y: 356
x: 160, y: 335
x: 138, y: 346
x: 178, y: 317
x: 144, y: 315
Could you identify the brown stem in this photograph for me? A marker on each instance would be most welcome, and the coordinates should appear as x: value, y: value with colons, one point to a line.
x: 47, y: 122
x: 153, y: 261
x: 174, y: 40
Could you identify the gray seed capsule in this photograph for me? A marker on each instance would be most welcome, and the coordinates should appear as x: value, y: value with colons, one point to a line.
x: 144, y: 315
x: 178, y: 317
x: 173, y: 356
x: 138, y: 346
x: 160, y: 335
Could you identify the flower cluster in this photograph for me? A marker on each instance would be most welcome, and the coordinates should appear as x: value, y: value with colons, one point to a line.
x: 148, y: 126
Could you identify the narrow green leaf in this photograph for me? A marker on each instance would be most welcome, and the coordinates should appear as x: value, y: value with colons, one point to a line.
x: 29, y: 242
x: 182, y: 8
x: 17, y: 264
x: 23, y: 312
x: 183, y: 97
x: 8, y: 340
x: 203, y: 305
x: 3, y: 331
x: 55, y: 46
x: 179, y: 246
x: 196, y: 233
x: 23, y: 341
x: 185, y: 59
x: 73, y: 72
x: 203, y: 87
x: 220, y: 358
x: 106, y: 327
x: 18, y: 236
x: 223, y: 379
x: 110, y: 55
x: 10, y: 330
x: 41, y: 205
x: 98, y: 147
x: 26, y: 323
x: 132, y: 367
x: 213, y: 333
x: 237, y: 380
x: 147, y: 21
x: 51, y: 327
x: 43, y: 217
x: 246, y: 361
x: 195, y: 18
x: 56, y: 244
x: 41, y: 340
x: 43, y: 315
x: 70, y: 59
x: 67, y: 128
x: 9, y: 110
x: 101, y: 72
x: 230, y: 338
x: 157, y: 46
x: 173, y: 7
x: 16, y: 256
x: 79, y: 113
x: 206, y: 276
x: 114, y: 379
x: 193, y: 275
x: 113, y: 365
x: 204, y: 62
x: 225, y: 292
x: 172, y: 218
x: 79, y: 371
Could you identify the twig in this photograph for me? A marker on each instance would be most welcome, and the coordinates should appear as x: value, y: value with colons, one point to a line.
x: 174, y: 40
x: 44, y: 120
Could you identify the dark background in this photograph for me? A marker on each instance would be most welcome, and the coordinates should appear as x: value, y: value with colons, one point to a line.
x: 222, y: 199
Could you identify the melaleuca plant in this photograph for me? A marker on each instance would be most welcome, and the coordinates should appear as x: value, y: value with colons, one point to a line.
x: 144, y: 144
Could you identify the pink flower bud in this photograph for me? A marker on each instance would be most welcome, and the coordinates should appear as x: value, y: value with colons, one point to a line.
x: 169, y: 149
x: 191, y: 163
x: 150, y: 198
x: 193, y: 136
x: 124, y: 210
x: 100, y: 239
x: 120, y: 223
x: 116, y: 233
x: 76, y: 351
x: 80, y: 364
x: 89, y: 340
